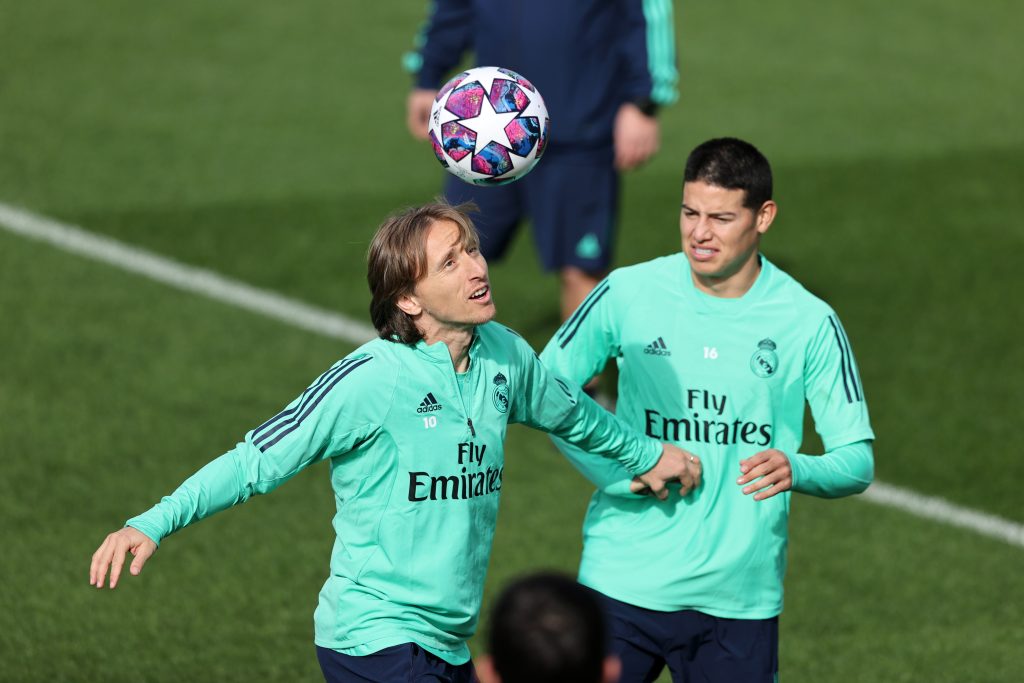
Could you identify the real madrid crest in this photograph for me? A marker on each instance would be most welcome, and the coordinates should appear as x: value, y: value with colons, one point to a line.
x: 501, y: 392
x: 764, y: 362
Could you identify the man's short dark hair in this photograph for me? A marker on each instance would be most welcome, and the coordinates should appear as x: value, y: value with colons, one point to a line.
x: 733, y: 164
x: 546, y: 628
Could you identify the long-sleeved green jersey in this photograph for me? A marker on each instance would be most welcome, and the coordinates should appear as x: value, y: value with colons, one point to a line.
x: 416, y: 461
x: 723, y: 378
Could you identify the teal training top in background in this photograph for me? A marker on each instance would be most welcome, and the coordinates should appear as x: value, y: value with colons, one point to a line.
x: 416, y: 464
x: 725, y: 379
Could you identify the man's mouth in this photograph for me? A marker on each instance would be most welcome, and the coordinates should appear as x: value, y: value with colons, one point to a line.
x: 480, y: 293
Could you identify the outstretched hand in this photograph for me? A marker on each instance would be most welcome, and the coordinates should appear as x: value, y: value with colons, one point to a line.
x: 675, y: 465
x: 111, y: 555
x: 774, y: 470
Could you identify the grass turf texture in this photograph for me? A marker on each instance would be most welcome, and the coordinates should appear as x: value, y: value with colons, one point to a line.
x: 229, y: 137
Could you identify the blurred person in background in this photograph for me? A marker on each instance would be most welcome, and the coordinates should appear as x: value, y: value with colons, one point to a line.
x: 413, y: 425
x: 604, y: 67
x: 718, y: 350
x: 546, y: 628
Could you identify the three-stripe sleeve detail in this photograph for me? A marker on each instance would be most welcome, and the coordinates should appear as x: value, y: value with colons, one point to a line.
x: 661, y: 50
x: 850, y: 384
x: 412, y: 61
x: 572, y: 325
x: 287, y: 421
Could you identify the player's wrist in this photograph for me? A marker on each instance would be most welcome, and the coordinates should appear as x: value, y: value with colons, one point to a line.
x: 652, y: 454
x: 647, y: 106
x: 146, y: 530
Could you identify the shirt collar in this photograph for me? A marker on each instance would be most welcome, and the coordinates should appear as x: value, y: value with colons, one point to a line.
x: 438, y: 351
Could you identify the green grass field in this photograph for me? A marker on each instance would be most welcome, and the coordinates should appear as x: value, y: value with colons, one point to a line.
x: 266, y: 142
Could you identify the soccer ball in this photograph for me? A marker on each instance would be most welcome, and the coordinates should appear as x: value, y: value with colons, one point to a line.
x: 489, y: 126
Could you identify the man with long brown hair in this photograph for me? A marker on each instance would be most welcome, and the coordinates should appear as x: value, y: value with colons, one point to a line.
x: 413, y: 425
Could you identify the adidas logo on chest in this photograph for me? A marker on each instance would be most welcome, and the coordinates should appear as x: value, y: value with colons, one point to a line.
x: 429, y: 404
x: 657, y: 348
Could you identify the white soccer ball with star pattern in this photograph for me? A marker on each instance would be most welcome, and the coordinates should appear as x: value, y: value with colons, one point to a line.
x: 489, y: 126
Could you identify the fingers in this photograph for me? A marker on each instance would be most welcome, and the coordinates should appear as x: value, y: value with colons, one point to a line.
x: 685, y: 480
x: 638, y: 487
x: 764, y: 482
x: 765, y: 474
x: 417, y: 112
x: 694, y: 473
x: 651, y: 149
x: 630, y: 154
x: 753, y: 461
x: 120, y: 550
x: 102, y: 560
x: 777, y: 488
x: 771, y: 485
x: 635, y: 154
x: 636, y: 137
x: 756, y: 472
x: 417, y: 124
x: 657, y: 489
x: 697, y: 467
x: 674, y: 465
x: 112, y: 553
x: 624, y: 157
x: 142, y: 553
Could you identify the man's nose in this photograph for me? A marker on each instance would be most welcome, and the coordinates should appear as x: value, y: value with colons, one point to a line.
x: 479, y: 267
x: 702, y: 229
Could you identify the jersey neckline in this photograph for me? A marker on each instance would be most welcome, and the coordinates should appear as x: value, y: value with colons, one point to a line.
x: 707, y: 303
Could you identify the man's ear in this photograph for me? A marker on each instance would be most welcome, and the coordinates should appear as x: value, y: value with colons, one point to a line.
x: 408, y: 304
x: 484, y: 666
x: 765, y: 216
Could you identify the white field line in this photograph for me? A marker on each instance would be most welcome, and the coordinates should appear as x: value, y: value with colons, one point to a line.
x: 189, y: 278
x: 210, y: 284
x: 941, y: 510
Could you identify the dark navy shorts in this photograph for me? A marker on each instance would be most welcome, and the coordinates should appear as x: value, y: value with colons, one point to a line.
x: 406, y: 663
x: 571, y: 199
x: 694, y: 645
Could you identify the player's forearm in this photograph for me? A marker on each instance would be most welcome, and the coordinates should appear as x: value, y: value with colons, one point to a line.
x: 217, y: 486
x: 841, y: 472
x: 607, y: 475
x: 598, y: 432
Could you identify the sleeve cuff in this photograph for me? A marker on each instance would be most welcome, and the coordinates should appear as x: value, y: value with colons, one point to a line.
x: 647, y: 459
x: 620, y: 489
x: 647, y: 106
x: 797, y: 469
x: 427, y: 78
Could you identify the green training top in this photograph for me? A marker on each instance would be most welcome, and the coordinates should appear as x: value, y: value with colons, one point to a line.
x: 417, y: 458
x: 725, y: 379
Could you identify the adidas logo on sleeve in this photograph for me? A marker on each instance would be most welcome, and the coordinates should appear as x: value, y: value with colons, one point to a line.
x: 429, y: 404
x: 657, y: 348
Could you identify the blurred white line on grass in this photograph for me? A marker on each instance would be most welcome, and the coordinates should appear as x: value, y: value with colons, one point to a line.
x: 304, y: 316
x: 188, y: 278
x: 941, y: 510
